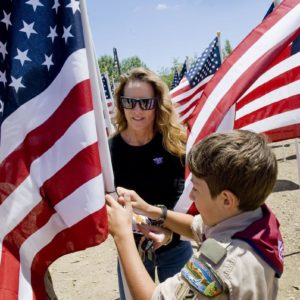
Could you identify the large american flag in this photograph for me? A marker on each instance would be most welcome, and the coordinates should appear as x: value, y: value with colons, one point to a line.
x: 272, y: 104
x: 187, y: 94
x: 243, y: 66
x: 51, y: 183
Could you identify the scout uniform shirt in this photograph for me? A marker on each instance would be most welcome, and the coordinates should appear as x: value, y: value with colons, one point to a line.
x: 225, y: 268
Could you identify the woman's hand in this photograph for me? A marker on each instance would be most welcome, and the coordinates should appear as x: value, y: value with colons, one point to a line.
x: 160, y: 236
x: 119, y: 215
x: 140, y: 206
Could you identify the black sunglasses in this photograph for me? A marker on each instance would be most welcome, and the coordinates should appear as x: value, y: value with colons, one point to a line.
x: 145, y: 103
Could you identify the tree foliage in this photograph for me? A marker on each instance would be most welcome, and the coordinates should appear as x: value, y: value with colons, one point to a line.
x: 227, y: 49
x: 167, y: 74
x: 131, y: 62
x: 106, y: 64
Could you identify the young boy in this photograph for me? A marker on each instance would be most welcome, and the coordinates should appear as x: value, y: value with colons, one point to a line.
x: 240, y: 255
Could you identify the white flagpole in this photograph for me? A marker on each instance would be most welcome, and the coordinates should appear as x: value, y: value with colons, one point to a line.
x: 187, y: 63
x: 94, y: 68
x: 100, y: 125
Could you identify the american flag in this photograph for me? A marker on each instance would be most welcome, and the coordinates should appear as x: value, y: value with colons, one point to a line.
x: 187, y: 94
x: 272, y: 104
x: 183, y: 71
x: 242, y: 67
x: 175, y: 79
x: 51, y: 183
x: 108, y: 93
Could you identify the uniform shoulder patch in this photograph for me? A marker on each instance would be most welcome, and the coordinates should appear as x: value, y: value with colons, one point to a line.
x: 202, y: 278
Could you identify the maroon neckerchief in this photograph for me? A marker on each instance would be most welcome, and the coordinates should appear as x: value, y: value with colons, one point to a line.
x: 264, y: 237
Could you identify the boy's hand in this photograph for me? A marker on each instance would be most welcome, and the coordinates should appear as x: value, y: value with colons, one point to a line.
x: 119, y: 217
x: 139, y: 205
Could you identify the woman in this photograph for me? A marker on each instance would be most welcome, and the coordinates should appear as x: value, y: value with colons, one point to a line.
x: 147, y: 155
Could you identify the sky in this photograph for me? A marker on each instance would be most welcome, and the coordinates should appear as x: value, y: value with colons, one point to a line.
x: 160, y: 31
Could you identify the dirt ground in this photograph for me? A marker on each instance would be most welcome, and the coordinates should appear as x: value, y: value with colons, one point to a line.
x: 91, y: 274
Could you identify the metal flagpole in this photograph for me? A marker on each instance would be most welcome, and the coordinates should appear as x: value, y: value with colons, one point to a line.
x: 102, y: 142
x: 116, y: 61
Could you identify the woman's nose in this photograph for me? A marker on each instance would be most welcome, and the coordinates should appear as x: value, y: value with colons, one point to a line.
x: 137, y: 106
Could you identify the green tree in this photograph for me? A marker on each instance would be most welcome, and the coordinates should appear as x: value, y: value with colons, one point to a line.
x: 166, y: 75
x: 227, y: 49
x: 106, y: 64
x: 131, y: 62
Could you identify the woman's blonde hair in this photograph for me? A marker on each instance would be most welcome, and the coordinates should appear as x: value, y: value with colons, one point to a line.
x: 166, y: 120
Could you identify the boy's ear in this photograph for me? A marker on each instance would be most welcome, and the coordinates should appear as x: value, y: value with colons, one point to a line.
x: 230, y: 200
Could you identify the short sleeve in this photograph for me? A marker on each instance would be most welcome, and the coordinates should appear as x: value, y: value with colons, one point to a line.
x: 197, y: 228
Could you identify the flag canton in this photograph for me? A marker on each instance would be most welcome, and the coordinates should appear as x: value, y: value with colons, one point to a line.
x: 175, y: 80
x: 36, y: 38
x: 105, y: 86
x: 205, y: 65
x: 295, y: 46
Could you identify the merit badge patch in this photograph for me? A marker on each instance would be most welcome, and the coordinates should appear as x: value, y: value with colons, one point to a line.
x: 201, y: 277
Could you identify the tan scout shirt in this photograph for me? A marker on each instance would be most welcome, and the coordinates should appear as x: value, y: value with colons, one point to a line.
x: 242, y: 272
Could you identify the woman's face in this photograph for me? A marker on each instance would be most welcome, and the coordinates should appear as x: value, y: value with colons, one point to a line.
x: 138, y: 119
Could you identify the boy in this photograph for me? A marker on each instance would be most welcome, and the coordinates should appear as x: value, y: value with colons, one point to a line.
x: 241, y: 246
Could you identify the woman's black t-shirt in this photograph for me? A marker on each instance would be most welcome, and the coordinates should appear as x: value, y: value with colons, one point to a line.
x: 155, y: 174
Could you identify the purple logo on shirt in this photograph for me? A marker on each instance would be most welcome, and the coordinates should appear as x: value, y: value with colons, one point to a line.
x: 158, y: 160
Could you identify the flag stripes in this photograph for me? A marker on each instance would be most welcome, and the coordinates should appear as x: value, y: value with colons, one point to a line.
x: 187, y: 94
x: 272, y: 103
x: 185, y: 98
x: 52, y: 190
x: 74, y: 71
x: 247, y: 62
x: 256, y: 55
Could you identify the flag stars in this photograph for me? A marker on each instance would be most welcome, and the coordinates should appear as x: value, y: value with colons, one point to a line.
x: 67, y: 33
x: 28, y: 29
x: 52, y: 33
x: 74, y: 5
x: 16, y: 83
x: 56, y: 5
x: 34, y: 3
x: 3, y: 77
x: 48, y: 61
x: 6, y: 19
x: 22, y: 56
x: 3, y: 50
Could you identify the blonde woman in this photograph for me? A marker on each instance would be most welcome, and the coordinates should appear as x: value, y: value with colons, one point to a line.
x: 147, y: 154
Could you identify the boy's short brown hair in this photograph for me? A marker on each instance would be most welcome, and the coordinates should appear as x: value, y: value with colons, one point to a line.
x: 239, y: 161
